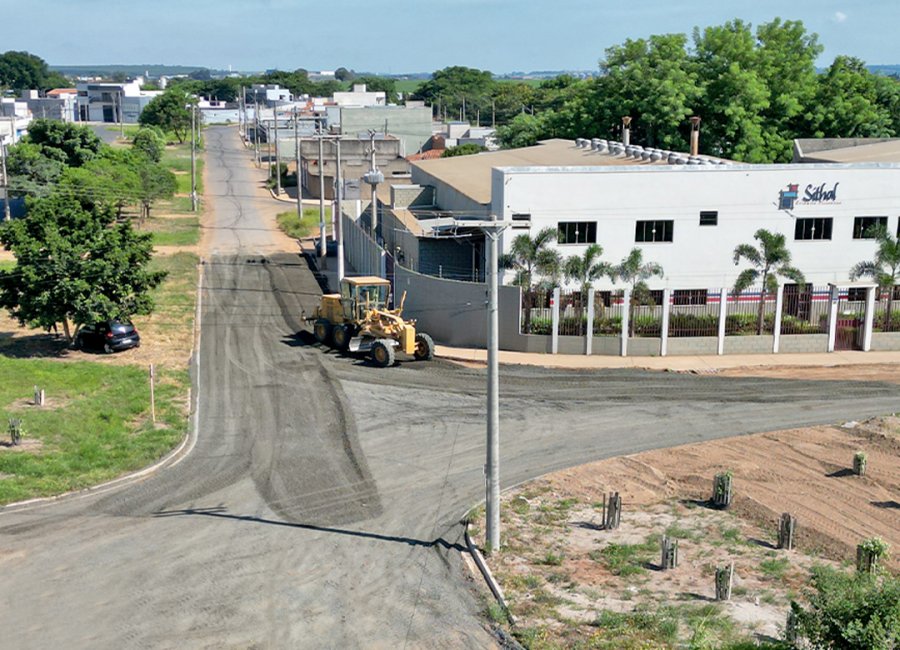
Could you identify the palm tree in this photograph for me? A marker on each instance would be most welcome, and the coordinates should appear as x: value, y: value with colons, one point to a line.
x: 531, y: 258
x: 770, y: 260
x: 585, y: 269
x: 633, y: 270
x: 884, y: 269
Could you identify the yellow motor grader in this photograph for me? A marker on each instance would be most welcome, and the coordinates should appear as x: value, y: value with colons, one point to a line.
x: 358, y: 320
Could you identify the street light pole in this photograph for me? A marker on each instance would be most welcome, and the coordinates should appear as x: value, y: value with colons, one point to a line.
x: 322, y: 244
x: 6, y: 211
x: 277, y: 154
x: 193, y: 158
x: 256, y: 124
x: 297, y: 162
x: 338, y: 218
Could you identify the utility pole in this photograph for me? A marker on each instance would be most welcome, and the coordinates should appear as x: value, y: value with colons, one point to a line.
x: 297, y: 162
x: 338, y: 217
x: 6, y: 213
x: 323, y: 250
x: 373, y: 171
x: 121, y: 116
x: 256, y: 123
x: 493, y: 113
x: 277, y: 155
x: 243, y: 114
x: 269, y: 150
x: 193, y: 157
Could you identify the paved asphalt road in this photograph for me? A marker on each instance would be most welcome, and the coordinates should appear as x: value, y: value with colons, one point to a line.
x: 320, y: 506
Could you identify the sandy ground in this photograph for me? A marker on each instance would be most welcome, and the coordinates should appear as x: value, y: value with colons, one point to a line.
x: 802, y: 471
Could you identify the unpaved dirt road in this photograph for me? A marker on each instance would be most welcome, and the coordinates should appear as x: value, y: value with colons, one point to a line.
x: 320, y: 505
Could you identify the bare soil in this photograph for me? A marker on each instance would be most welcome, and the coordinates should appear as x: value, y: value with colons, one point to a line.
x: 887, y: 372
x: 555, y: 566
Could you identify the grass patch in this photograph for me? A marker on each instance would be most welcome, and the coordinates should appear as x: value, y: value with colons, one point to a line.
x: 101, y: 431
x: 7, y: 265
x: 182, y: 231
x: 174, y: 298
x: 679, y: 532
x: 551, y: 559
x: 774, y: 568
x: 627, y: 559
x: 298, y: 228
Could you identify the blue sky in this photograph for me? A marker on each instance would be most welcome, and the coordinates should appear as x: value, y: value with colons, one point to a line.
x: 408, y: 35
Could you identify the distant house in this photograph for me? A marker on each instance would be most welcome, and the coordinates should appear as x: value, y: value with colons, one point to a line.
x: 113, y: 102
x: 58, y: 104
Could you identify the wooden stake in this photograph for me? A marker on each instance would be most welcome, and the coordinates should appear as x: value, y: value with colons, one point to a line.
x: 786, y: 531
x: 152, y: 395
x: 613, y: 513
x: 724, y: 577
x: 721, y: 496
x: 668, y: 552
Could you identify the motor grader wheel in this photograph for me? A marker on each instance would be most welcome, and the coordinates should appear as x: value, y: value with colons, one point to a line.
x: 383, y: 353
x: 424, y: 347
x: 341, y: 336
x: 322, y: 331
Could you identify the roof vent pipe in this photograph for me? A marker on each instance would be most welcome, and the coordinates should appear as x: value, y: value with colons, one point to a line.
x: 655, y: 155
x: 673, y: 158
x: 695, y: 136
x: 594, y: 143
x: 603, y: 146
x: 626, y: 130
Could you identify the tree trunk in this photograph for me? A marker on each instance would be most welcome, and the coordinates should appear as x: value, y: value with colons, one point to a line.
x: 762, y: 306
x: 890, y: 306
x: 68, y: 333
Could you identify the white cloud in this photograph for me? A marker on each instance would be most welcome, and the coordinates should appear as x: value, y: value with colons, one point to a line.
x: 839, y: 17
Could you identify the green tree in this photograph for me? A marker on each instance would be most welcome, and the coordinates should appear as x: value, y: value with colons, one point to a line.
x: 343, y: 74
x: 150, y: 142
x: 462, y: 150
x: 532, y: 259
x: 887, y: 91
x: 386, y: 85
x: 852, y: 612
x: 155, y: 183
x: 170, y: 112
x: 77, y: 143
x: 847, y: 103
x: 523, y: 131
x: 454, y: 86
x: 586, y: 268
x: 770, y: 260
x: 32, y: 172
x: 23, y: 71
x: 75, y: 266
x: 110, y: 181
x: 635, y: 272
x: 884, y: 268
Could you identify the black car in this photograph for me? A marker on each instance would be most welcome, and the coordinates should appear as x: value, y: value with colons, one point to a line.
x: 109, y: 337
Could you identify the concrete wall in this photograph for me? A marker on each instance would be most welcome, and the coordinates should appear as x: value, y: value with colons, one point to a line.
x: 411, y: 125
x: 883, y: 341
x: 746, y: 198
x: 751, y: 344
x: 803, y: 343
x: 640, y: 346
x: 684, y: 345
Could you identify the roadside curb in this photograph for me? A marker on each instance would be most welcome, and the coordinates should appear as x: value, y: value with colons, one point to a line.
x: 283, y: 200
x: 169, y: 460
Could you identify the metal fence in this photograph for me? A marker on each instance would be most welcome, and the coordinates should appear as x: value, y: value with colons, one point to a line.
x: 695, y: 313
x: 360, y: 251
x: 887, y: 312
x: 536, y: 312
x: 805, y: 309
x: 609, y: 306
x: 743, y: 311
x: 572, y: 313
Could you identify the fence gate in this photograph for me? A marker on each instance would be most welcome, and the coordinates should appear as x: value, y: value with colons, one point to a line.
x: 849, y: 326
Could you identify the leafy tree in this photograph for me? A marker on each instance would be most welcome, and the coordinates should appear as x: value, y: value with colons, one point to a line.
x: 847, y: 102
x: 531, y: 258
x: 77, y: 143
x: 201, y: 74
x: 887, y: 91
x: 463, y: 150
x: 150, y: 142
x: 32, y: 172
x: 769, y: 260
x: 343, y: 74
x: 455, y: 85
x: 635, y: 272
x: 856, y: 612
x: 155, y: 183
x: 75, y: 266
x: 170, y: 112
x: 523, y: 131
x: 109, y: 181
x: 23, y: 71
x: 586, y: 268
x: 884, y: 268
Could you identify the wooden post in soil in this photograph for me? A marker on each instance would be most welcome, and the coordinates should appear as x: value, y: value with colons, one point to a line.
x: 724, y: 578
x: 721, y: 496
x: 612, y: 512
x: 38, y: 396
x: 786, y: 527
x: 668, y: 553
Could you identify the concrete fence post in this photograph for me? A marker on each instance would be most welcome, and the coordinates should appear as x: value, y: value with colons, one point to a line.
x: 835, y: 296
x: 779, y: 307
x: 554, y: 315
x: 869, y: 322
x: 626, y: 313
x: 589, y: 329
x: 664, y: 325
x: 723, y: 314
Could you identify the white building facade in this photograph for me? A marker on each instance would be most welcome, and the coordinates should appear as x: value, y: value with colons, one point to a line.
x: 689, y: 219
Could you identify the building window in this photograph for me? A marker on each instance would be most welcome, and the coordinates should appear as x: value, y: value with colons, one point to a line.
x: 863, y: 226
x: 653, y: 231
x: 709, y: 218
x: 577, y: 232
x: 689, y: 297
x: 856, y: 294
x: 815, y: 228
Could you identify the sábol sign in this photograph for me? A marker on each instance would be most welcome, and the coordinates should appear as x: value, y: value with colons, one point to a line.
x: 788, y: 198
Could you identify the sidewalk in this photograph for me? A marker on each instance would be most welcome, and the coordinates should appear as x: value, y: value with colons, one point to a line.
x: 686, y: 363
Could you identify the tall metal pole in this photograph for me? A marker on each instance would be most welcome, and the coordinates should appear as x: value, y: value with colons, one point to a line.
x: 277, y: 155
x: 242, y: 105
x: 6, y: 212
x: 256, y: 124
x: 121, y: 114
x: 269, y: 151
x: 492, y: 510
x: 297, y: 163
x: 322, y: 244
x: 193, y: 158
x: 338, y: 217
x: 374, y: 189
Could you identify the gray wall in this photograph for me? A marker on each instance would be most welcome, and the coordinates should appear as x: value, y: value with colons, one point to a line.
x: 882, y: 341
x: 750, y: 344
x: 803, y: 343
x: 411, y: 125
x: 686, y: 345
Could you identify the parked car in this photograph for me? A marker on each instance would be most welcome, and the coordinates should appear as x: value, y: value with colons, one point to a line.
x: 111, y: 336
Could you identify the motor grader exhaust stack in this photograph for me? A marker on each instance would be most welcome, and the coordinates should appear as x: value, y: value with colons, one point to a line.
x: 358, y: 320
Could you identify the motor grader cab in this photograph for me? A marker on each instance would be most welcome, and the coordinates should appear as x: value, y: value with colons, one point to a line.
x: 359, y: 320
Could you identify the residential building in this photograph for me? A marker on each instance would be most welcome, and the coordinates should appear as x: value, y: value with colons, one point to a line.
x: 359, y: 96
x: 58, y: 104
x: 355, y: 162
x: 113, y: 102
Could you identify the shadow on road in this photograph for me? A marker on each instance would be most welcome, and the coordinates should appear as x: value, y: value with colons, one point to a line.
x: 222, y: 513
